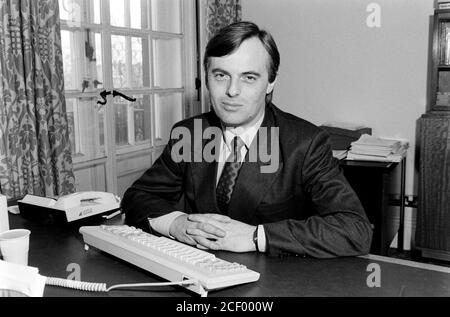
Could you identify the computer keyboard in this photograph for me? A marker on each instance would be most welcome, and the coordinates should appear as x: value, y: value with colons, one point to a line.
x: 167, y: 258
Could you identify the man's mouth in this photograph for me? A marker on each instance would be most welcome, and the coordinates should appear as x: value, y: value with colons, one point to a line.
x: 231, y: 106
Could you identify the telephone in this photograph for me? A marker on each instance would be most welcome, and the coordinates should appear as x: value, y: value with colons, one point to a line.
x: 70, y: 207
x: 85, y: 198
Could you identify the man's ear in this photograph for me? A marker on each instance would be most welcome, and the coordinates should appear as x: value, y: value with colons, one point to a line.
x: 206, y: 80
x: 270, y: 86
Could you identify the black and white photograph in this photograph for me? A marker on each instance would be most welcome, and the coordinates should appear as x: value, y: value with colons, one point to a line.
x: 225, y: 155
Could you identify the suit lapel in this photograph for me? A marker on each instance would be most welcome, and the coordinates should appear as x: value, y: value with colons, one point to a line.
x: 252, y: 183
x: 204, y: 173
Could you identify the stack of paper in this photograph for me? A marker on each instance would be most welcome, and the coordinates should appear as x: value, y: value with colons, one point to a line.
x: 370, y: 148
x: 340, y: 154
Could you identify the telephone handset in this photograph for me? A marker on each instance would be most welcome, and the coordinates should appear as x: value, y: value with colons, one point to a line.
x: 85, y: 198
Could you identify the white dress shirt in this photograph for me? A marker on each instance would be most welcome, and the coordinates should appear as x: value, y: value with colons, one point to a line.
x: 162, y: 224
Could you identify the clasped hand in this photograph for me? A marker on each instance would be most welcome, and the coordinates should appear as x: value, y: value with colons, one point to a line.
x: 213, y: 231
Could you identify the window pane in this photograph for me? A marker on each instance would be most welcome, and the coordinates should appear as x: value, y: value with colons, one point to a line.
x: 82, y: 60
x: 118, y: 61
x: 167, y: 63
x: 96, y: 8
x: 132, y: 120
x: 71, y: 11
x: 128, y: 56
x: 63, y: 10
x: 70, y: 105
x: 85, y: 121
x: 77, y: 11
x: 142, y: 118
x: 101, y: 125
x: 166, y: 15
x: 68, y: 60
x: 135, y: 14
x: 121, y: 116
x: 168, y: 111
x: 117, y: 12
x: 136, y: 62
x: 92, y: 52
x: 98, y: 57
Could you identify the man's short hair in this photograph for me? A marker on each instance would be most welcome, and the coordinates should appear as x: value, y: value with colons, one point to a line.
x: 229, y: 38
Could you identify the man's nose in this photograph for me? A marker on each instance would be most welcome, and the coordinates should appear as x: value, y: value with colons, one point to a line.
x: 234, y: 88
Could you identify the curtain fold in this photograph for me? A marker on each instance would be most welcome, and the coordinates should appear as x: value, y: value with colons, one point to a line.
x: 35, y: 153
x: 220, y: 13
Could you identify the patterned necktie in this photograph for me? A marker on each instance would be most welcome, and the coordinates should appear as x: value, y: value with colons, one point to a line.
x: 229, y: 175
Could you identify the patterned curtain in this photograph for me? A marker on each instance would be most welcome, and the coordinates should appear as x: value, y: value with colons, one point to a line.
x: 35, y: 154
x: 220, y: 13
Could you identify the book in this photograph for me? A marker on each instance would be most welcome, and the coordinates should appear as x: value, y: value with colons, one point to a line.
x: 372, y: 141
x: 344, y: 125
x: 443, y: 5
x: 397, y: 157
x: 370, y: 148
x: 444, y: 38
x: 367, y: 150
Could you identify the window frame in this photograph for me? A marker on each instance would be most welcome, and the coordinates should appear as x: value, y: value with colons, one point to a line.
x: 187, y: 90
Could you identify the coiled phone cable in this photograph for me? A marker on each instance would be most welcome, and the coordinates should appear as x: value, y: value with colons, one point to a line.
x: 101, y: 287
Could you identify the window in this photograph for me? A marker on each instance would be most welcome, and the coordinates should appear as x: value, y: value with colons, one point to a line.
x: 137, y: 51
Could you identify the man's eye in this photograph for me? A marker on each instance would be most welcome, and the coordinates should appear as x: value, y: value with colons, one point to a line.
x: 220, y: 76
x: 250, y: 78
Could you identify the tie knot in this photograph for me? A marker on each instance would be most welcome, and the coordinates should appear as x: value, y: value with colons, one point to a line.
x: 237, y: 144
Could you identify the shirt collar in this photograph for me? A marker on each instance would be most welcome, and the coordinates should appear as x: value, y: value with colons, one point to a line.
x: 246, y: 134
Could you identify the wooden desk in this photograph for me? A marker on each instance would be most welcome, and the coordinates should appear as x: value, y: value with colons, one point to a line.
x: 371, y: 181
x: 53, y: 248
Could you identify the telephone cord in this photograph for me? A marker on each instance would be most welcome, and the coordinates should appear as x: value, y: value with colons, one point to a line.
x: 101, y: 287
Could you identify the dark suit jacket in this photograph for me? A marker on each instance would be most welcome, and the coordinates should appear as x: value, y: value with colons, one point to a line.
x: 307, y: 206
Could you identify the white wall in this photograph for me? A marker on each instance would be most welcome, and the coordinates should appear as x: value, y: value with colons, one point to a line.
x: 336, y: 68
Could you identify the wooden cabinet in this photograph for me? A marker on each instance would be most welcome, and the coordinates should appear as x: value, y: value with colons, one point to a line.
x: 433, y: 214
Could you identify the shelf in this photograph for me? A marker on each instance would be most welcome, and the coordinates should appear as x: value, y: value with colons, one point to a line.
x: 440, y: 109
x: 373, y: 164
x: 443, y: 12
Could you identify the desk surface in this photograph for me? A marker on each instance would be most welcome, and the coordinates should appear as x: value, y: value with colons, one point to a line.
x: 53, y: 248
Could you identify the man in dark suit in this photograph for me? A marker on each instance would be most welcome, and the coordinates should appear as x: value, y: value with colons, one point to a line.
x: 295, y: 200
